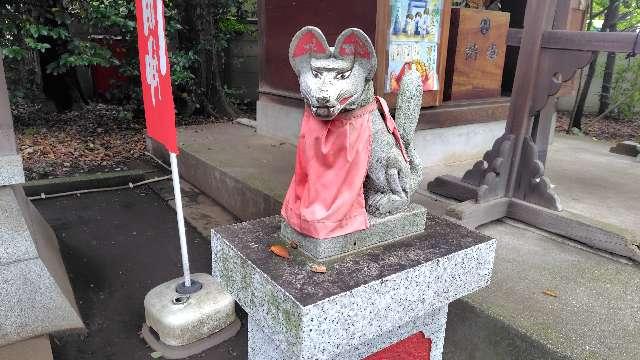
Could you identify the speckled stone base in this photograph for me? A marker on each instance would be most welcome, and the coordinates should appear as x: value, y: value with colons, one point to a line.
x: 364, y: 302
x: 407, y: 222
x: 12, y: 172
x: 264, y: 347
x: 35, y: 294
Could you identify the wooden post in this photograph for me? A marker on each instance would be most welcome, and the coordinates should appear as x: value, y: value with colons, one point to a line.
x: 539, y: 17
x: 541, y: 132
x: 511, y: 175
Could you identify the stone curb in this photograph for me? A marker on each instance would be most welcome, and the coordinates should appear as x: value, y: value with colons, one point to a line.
x: 84, y: 182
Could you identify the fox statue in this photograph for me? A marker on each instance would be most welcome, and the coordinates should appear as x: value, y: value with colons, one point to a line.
x: 353, y: 159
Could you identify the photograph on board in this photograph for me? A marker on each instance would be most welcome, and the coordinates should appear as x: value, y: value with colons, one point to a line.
x: 415, y: 20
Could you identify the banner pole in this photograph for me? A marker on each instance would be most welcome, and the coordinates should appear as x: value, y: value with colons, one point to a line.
x: 181, y: 232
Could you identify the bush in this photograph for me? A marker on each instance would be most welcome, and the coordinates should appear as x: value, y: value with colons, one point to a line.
x: 626, y: 90
x: 44, y: 27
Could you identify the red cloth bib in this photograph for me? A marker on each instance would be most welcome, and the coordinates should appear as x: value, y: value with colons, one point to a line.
x: 326, y: 195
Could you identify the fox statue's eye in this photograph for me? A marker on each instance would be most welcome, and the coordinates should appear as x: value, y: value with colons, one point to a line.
x: 315, y: 74
x: 343, y: 75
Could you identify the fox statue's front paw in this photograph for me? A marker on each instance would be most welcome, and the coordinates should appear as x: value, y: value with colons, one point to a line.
x: 384, y: 204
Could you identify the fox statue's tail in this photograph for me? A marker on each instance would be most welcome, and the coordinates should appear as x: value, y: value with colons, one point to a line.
x: 407, y: 112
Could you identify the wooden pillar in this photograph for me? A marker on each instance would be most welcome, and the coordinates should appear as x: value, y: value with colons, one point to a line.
x: 543, y: 128
x: 539, y: 17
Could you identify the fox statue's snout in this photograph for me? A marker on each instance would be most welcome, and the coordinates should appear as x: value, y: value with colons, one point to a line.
x: 333, y: 79
x: 330, y: 84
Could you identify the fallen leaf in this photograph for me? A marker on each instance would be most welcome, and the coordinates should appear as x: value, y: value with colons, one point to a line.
x: 280, y: 251
x: 293, y: 244
x: 550, y: 293
x: 156, y: 354
x: 319, y: 268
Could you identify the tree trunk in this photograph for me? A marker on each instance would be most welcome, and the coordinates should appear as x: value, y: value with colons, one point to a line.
x: 578, y: 113
x: 220, y: 101
x: 611, y: 20
x: 607, y: 79
x: 576, y: 119
x: 210, y: 79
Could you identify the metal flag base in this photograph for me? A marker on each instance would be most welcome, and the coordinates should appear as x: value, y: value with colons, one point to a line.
x: 179, y: 325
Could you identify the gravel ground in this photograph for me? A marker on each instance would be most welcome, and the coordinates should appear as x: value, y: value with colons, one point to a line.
x: 103, y: 138
x: 98, y: 138
x: 608, y: 129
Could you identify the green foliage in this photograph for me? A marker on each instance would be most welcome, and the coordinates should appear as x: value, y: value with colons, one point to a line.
x: 81, y: 53
x: 38, y: 26
x: 626, y: 90
x: 194, y: 28
x: 629, y: 10
x: 182, y: 62
x: 250, y: 8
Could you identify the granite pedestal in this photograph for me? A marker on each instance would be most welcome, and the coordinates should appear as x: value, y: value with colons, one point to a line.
x: 36, y: 297
x: 12, y: 172
x: 366, y: 301
x: 407, y: 222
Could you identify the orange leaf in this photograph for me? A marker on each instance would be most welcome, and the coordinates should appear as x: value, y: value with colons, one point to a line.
x: 280, y: 251
x: 550, y: 293
x: 318, y: 268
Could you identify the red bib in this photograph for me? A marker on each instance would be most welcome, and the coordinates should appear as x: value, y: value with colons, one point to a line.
x: 326, y: 195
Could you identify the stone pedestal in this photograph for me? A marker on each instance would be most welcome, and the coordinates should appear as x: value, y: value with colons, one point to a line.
x: 407, y: 222
x: 365, y: 302
x: 12, y: 172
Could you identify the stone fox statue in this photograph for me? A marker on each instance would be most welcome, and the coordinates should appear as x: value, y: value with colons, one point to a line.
x: 352, y: 158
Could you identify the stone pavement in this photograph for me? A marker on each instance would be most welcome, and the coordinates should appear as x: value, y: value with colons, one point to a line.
x: 589, y: 179
x: 591, y: 315
x: 594, y: 316
x: 117, y: 245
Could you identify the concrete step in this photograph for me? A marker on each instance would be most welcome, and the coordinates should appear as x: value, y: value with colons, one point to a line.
x: 593, y: 314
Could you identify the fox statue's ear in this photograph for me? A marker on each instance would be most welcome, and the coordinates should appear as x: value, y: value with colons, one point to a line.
x: 308, y: 42
x: 354, y: 43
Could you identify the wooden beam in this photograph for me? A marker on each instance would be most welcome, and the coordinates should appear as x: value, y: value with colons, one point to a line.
x: 453, y: 187
x: 514, y: 37
x: 472, y: 214
x: 450, y: 113
x: 586, y: 230
x: 589, y: 41
x: 621, y: 42
x: 464, y: 112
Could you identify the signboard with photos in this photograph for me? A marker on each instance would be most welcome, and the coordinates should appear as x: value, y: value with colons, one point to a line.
x: 415, y: 36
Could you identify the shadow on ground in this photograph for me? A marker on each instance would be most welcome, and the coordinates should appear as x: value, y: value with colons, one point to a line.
x: 116, y: 246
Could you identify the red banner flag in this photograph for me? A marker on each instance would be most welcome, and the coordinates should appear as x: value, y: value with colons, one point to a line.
x: 154, y: 73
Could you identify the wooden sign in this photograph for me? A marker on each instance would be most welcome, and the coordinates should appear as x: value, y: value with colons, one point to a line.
x: 477, y: 46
